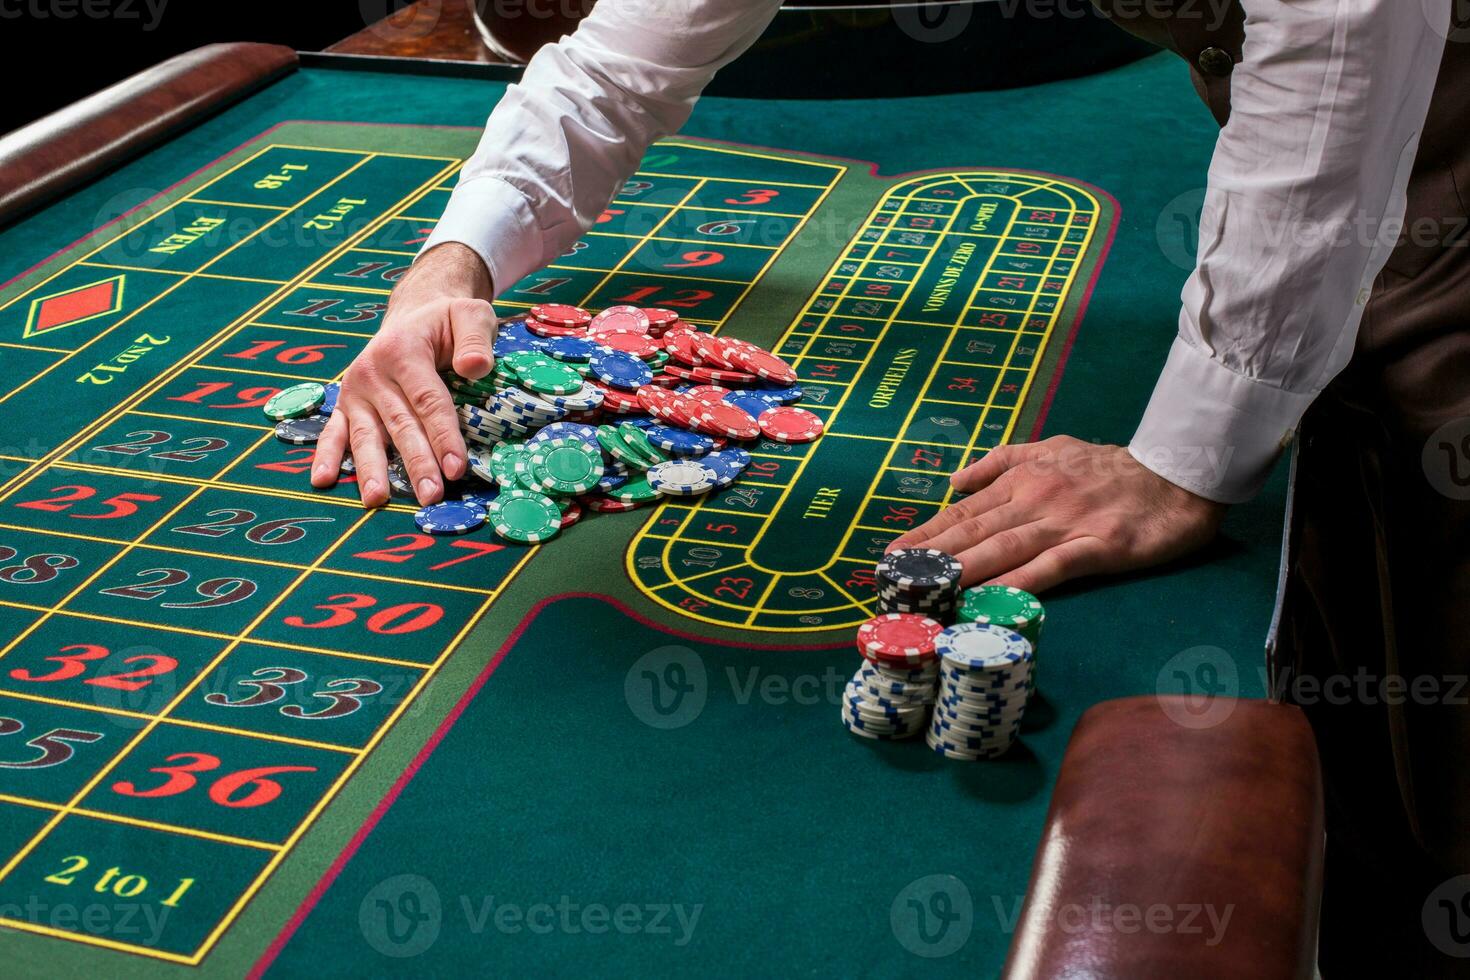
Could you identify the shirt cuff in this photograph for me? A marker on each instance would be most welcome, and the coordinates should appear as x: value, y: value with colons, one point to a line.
x: 1213, y: 431
x: 493, y: 218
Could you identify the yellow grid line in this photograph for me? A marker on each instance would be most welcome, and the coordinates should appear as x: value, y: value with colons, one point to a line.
x: 856, y: 264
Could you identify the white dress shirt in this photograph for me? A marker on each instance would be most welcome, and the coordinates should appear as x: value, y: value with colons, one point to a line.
x: 1306, y: 194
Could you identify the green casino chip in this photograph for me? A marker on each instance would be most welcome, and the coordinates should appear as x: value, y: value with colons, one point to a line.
x: 295, y: 401
x: 503, y: 463
x: 551, y: 378
x: 611, y: 440
x: 1004, y: 605
x: 523, y: 516
x: 636, y: 439
x: 636, y: 491
x: 566, y: 466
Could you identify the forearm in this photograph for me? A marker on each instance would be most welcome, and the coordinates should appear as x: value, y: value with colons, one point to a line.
x: 1306, y: 195
x: 560, y: 144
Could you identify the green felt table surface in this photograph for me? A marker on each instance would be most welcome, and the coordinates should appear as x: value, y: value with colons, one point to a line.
x: 602, y: 787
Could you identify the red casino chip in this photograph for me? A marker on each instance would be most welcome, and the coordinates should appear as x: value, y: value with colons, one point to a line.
x: 640, y: 345
x: 763, y: 364
x: 707, y: 392
x: 786, y: 424
x: 724, y: 419
x: 561, y: 315
x: 899, y: 638
x: 660, y: 319
x: 607, y: 505
x: 613, y: 400
x: 571, y: 515
x: 710, y: 351
x: 708, y: 374
x: 668, y: 380
x: 553, y: 330
x: 629, y: 318
x: 669, y: 406
x: 680, y: 345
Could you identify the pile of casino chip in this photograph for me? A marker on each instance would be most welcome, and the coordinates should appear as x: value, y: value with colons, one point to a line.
x: 605, y: 413
x: 958, y: 666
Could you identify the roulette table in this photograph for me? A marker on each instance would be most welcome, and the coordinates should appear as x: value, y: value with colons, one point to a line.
x: 250, y: 728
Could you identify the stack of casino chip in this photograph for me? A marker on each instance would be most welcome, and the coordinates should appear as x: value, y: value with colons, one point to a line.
x: 1004, y: 605
x: 919, y: 580
x: 1008, y: 606
x: 580, y: 412
x: 985, y: 680
x: 891, y: 694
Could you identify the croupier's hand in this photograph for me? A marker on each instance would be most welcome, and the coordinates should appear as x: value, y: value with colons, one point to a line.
x: 1041, y: 513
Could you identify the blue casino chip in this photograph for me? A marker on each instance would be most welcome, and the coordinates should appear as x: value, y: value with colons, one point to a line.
x: 570, y: 348
x: 679, y: 442
x: 329, y: 403
x: 450, y: 517
x: 729, y: 463
x: 567, y: 430
x: 619, y: 369
x: 786, y: 394
x: 752, y: 403
x: 481, y: 497
x: 513, y: 337
x: 614, y: 475
x: 682, y: 477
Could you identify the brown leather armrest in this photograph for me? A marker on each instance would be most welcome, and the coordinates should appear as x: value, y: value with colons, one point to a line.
x: 1173, y: 851
x: 73, y: 145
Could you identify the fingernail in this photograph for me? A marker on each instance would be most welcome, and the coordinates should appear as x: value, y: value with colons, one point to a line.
x: 427, y: 488
x: 370, y: 488
x: 451, y: 463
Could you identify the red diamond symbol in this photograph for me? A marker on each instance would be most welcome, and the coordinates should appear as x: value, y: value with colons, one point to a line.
x: 75, y: 305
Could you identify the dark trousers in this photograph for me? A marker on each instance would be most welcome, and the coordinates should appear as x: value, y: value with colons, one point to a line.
x: 1374, y: 638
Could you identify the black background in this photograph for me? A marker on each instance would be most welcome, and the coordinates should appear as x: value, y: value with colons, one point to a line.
x: 47, y: 60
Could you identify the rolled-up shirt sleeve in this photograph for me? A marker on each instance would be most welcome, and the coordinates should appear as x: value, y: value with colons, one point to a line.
x: 1306, y: 198
x: 561, y: 142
